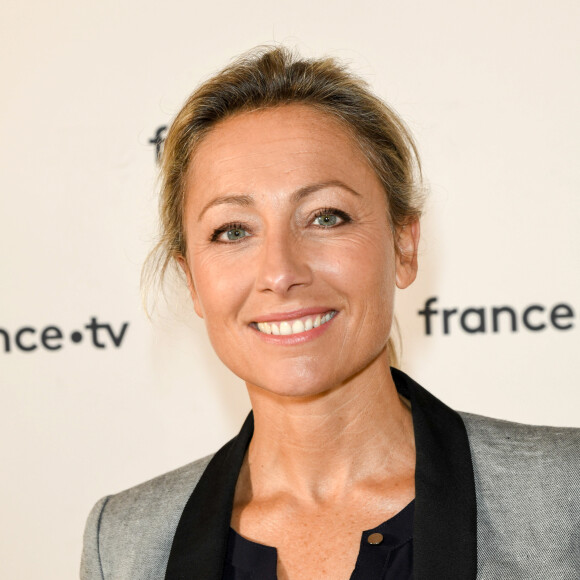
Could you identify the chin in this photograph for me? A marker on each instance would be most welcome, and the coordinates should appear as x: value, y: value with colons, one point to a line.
x: 305, y: 383
x: 290, y: 391
x: 303, y: 376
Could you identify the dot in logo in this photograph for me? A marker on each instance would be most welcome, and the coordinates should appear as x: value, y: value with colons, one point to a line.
x: 76, y: 336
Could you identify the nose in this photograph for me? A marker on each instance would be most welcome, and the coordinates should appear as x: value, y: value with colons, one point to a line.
x: 284, y: 264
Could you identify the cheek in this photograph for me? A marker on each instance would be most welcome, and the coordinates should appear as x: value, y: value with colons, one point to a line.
x: 363, y: 264
x: 219, y: 284
x: 365, y: 270
x: 221, y: 289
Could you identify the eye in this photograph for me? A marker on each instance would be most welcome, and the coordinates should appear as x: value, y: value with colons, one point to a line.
x: 329, y: 217
x: 236, y: 234
x: 326, y: 220
x: 229, y: 233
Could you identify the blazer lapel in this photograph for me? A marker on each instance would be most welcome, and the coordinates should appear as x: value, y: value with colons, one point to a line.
x: 200, y: 541
x: 445, y: 528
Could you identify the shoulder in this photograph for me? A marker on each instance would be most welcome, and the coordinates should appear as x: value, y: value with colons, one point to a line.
x: 160, y: 494
x: 129, y: 534
x: 530, y: 454
x: 503, y: 440
x: 527, y: 482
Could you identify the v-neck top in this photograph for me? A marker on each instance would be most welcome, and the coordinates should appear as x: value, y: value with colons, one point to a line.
x: 385, y: 553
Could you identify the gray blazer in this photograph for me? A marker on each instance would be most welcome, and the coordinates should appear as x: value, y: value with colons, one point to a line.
x: 494, y: 501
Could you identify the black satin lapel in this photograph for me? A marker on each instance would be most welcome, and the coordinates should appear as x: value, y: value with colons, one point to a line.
x: 199, y: 546
x: 445, y: 529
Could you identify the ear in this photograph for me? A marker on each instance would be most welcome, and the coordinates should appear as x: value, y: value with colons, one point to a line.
x: 407, y: 244
x: 191, y: 286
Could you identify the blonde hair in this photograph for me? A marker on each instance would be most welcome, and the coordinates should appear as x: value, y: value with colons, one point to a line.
x: 271, y: 77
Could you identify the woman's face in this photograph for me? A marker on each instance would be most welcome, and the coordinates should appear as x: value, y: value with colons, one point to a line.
x: 290, y: 257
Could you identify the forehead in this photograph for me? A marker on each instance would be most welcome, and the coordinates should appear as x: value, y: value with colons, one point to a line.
x: 278, y: 148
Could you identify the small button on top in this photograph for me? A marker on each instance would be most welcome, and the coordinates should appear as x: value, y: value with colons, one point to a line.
x: 375, y: 538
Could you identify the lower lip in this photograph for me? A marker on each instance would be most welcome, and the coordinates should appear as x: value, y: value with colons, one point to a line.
x: 292, y: 339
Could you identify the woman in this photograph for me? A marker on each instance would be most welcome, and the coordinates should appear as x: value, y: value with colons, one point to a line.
x: 291, y: 203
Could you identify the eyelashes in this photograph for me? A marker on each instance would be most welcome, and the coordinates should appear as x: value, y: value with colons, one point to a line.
x: 328, y: 212
x: 325, y: 218
x: 230, y: 229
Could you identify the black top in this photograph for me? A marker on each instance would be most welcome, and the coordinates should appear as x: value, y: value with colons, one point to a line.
x: 386, y: 553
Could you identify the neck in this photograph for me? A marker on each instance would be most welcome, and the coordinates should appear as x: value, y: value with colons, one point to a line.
x: 324, y: 445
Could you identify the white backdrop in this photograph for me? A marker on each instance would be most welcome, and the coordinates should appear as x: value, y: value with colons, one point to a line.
x: 489, y: 89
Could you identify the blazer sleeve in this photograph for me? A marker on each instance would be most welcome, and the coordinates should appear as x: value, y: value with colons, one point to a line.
x: 91, y: 568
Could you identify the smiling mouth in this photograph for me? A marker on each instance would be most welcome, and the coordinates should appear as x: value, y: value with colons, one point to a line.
x: 297, y: 326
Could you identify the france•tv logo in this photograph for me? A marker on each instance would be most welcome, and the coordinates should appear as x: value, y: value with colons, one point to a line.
x: 100, y: 335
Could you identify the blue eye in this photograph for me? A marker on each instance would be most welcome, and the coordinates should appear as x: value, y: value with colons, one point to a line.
x: 236, y: 234
x: 232, y: 232
x: 330, y: 217
x: 326, y: 220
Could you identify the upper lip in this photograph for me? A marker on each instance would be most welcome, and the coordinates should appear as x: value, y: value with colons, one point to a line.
x: 280, y: 316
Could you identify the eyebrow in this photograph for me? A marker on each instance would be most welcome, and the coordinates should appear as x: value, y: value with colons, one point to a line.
x: 242, y: 200
x: 248, y: 200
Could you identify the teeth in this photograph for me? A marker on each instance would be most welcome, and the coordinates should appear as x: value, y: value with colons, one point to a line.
x: 297, y: 326
x: 286, y: 328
